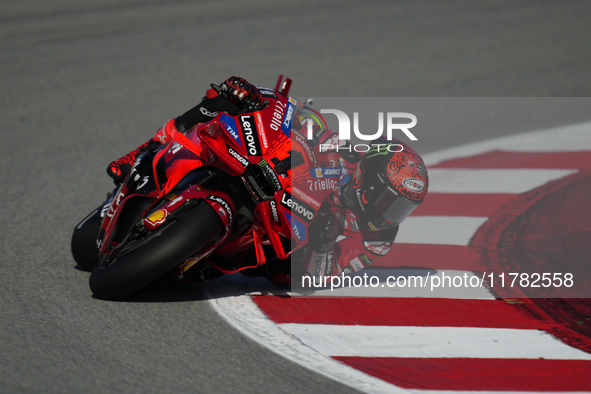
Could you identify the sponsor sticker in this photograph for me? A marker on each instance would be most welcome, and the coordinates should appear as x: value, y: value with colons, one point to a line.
x: 230, y: 126
x: 271, y: 174
x: 305, y: 197
x: 326, y: 172
x: 224, y: 205
x: 174, y: 148
x: 250, y: 135
x: 277, y: 119
x: 306, y: 146
x: 298, y: 228
x: 322, y: 184
x: 297, y: 207
x: 318, y: 263
x: 342, y: 220
x: 188, y: 263
x: 266, y: 92
x: 115, y: 203
x: 329, y: 262
x: 344, y: 171
x: 289, y: 113
x: 173, y: 202
x: 364, y: 259
x: 106, y: 206
x: 157, y: 217
x: 261, y: 128
x: 274, y: 212
x: 238, y: 157
x: 354, y: 225
x: 356, y: 264
x: 414, y: 185
x: 359, y: 199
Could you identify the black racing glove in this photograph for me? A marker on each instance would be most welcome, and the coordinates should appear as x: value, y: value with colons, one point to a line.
x: 239, y: 89
x: 324, y: 230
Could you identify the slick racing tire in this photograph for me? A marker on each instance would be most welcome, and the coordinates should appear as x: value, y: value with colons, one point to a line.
x: 84, y: 249
x: 158, y: 253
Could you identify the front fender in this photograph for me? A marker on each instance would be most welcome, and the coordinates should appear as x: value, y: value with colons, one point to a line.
x: 219, y: 201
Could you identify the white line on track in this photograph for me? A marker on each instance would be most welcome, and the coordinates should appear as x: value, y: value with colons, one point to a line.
x: 441, y: 230
x: 569, y: 138
x: 387, y: 341
x: 515, y: 181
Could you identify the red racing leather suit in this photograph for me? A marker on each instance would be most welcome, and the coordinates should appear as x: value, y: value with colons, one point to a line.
x: 340, y: 239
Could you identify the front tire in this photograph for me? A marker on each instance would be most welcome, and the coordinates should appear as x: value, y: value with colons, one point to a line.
x: 163, y: 249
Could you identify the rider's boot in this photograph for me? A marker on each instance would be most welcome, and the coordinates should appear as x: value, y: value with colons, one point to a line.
x: 120, y: 169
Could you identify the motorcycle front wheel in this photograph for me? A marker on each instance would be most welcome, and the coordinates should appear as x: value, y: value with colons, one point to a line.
x: 156, y: 254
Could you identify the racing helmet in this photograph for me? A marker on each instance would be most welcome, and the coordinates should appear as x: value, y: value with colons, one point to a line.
x: 389, y: 183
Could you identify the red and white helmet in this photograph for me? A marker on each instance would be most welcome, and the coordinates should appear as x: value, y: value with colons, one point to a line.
x: 388, y: 186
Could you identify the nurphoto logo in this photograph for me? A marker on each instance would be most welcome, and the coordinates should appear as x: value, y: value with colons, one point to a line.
x: 344, y: 133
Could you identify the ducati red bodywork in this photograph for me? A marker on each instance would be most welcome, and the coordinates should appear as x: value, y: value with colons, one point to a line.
x: 233, y: 144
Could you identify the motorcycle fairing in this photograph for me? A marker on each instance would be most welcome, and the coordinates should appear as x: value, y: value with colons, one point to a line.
x: 230, y: 144
x: 175, y: 159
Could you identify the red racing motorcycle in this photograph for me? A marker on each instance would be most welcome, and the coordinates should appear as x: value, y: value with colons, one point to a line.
x: 219, y: 191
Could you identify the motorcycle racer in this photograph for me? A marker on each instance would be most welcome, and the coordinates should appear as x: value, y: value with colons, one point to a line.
x: 358, y: 223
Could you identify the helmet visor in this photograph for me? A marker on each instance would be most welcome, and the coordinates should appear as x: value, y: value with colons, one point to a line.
x: 390, y: 210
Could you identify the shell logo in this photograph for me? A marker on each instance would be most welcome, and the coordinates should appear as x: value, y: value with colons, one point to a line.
x: 188, y: 263
x: 157, y: 217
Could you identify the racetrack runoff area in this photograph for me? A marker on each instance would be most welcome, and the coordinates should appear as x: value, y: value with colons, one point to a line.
x: 523, y: 210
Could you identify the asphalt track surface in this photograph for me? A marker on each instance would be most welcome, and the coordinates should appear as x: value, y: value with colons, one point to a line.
x: 83, y: 83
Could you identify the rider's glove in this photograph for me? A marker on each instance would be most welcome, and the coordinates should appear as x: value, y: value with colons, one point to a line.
x: 243, y: 90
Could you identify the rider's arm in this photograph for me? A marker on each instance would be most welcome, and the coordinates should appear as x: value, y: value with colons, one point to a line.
x: 205, y: 111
